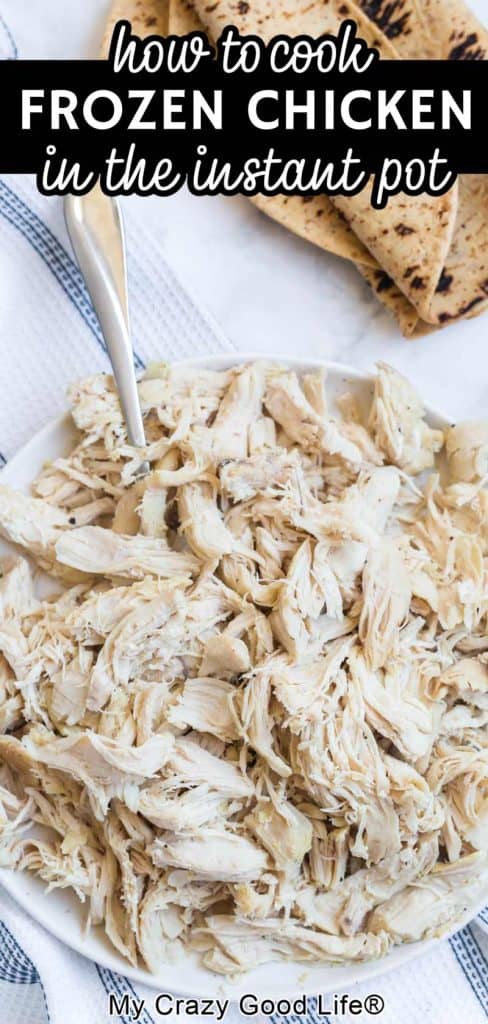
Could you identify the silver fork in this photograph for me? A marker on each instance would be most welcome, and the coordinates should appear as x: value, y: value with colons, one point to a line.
x: 95, y: 228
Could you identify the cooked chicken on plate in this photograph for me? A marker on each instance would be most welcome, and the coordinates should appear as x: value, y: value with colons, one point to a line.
x: 252, y: 719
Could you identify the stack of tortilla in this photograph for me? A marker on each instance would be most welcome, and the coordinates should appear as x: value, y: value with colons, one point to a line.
x: 425, y: 257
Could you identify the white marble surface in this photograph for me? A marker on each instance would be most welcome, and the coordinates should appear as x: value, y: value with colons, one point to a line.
x: 270, y: 291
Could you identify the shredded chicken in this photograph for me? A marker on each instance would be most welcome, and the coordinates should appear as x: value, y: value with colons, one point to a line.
x: 255, y: 720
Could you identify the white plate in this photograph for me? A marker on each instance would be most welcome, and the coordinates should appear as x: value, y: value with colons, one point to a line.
x: 60, y: 911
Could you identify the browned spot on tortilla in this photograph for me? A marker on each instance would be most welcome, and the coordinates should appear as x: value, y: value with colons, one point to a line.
x: 444, y: 317
x: 211, y: 8
x: 466, y: 49
x: 445, y: 282
x: 388, y: 15
x: 383, y: 281
x: 484, y: 286
x: 409, y: 271
x: 402, y: 230
x: 470, y: 305
x: 242, y: 7
x: 344, y: 9
x: 151, y: 21
x: 418, y: 283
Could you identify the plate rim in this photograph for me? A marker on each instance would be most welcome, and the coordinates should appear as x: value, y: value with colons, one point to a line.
x: 112, y: 960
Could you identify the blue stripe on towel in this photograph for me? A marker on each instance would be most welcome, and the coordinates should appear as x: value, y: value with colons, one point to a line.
x: 121, y: 986
x: 478, y: 960
x: 483, y: 915
x: 473, y: 964
x: 14, y: 50
x: 3, y: 461
x: 54, y: 255
x: 15, y: 965
x: 312, y: 1016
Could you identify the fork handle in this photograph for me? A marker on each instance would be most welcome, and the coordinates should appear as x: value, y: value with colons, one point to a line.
x: 95, y: 228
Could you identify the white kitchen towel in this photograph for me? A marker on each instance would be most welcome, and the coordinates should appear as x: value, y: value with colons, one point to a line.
x: 49, y: 336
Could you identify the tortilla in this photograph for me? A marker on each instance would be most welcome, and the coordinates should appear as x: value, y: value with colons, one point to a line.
x: 462, y: 290
x: 433, y: 252
x: 182, y: 18
x: 312, y: 218
x: 446, y: 30
x: 315, y: 219
x: 411, y: 237
x: 392, y: 299
x: 405, y: 20
x: 269, y: 18
x: 457, y: 32
x: 147, y: 17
